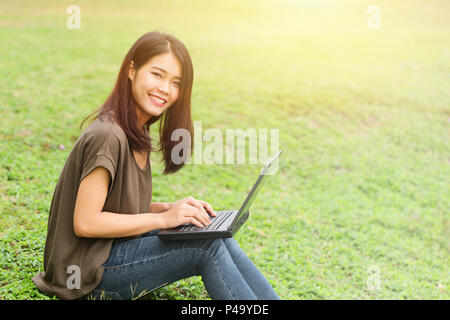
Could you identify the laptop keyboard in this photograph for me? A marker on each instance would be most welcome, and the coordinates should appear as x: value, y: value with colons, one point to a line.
x: 215, y: 224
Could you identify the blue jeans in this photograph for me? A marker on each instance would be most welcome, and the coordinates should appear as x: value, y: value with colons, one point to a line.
x: 147, y: 263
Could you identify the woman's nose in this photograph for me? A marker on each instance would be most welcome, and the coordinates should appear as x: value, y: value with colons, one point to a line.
x: 164, y: 88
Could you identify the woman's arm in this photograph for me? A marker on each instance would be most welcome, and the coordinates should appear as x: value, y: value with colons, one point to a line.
x: 159, y: 207
x: 89, y: 221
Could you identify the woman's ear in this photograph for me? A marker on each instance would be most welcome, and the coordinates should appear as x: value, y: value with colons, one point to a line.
x: 131, y: 71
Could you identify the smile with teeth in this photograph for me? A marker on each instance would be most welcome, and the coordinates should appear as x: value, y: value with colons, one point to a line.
x: 157, y: 100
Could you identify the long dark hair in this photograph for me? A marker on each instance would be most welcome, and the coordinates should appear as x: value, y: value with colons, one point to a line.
x: 122, y: 102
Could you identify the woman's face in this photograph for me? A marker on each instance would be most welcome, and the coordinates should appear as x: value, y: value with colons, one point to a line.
x: 155, y: 85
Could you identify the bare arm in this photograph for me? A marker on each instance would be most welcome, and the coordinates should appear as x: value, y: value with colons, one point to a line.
x: 158, y: 207
x: 91, y: 222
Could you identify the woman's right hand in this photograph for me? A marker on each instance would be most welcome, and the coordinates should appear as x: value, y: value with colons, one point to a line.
x: 182, y: 212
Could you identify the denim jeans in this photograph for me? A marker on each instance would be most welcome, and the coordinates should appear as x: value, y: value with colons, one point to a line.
x: 146, y: 263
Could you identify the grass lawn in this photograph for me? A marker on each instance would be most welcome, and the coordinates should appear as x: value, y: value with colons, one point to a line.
x: 359, y: 208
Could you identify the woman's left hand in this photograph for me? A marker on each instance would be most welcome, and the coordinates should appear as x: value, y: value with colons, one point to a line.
x: 202, y: 205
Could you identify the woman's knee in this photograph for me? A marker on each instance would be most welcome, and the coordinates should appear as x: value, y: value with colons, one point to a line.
x: 232, y: 246
x: 214, y: 249
x: 219, y: 245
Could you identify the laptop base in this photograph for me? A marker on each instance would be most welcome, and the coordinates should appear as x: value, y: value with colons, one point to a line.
x: 190, y: 232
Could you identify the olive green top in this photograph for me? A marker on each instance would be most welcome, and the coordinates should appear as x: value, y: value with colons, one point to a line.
x: 73, y: 265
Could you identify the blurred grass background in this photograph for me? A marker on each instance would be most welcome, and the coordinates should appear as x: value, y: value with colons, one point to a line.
x: 363, y: 118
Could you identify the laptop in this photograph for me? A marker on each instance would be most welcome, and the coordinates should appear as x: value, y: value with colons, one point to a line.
x: 226, y: 223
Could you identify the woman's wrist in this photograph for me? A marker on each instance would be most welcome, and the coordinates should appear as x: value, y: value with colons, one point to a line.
x: 160, y: 220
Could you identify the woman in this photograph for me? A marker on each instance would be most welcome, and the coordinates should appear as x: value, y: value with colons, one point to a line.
x: 101, y: 240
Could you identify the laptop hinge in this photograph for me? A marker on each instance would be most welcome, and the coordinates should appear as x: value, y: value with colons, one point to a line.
x: 236, y: 222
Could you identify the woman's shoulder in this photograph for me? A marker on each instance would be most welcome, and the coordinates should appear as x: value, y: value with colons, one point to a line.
x: 104, y: 128
x: 103, y: 137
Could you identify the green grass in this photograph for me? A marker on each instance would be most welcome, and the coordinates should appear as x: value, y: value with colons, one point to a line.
x: 363, y: 119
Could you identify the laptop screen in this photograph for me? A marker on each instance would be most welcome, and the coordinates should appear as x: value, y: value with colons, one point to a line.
x: 254, y: 192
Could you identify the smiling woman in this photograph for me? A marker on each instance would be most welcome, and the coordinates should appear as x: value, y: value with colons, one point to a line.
x: 157, y: 65
x: 102, y: 230
x: 154, y: 88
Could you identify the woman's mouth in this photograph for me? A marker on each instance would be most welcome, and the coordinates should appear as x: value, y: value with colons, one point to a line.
x: 157, y: 100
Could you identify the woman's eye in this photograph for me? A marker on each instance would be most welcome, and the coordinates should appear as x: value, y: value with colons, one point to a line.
x: 177, y: 84
x: 156, y: 74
